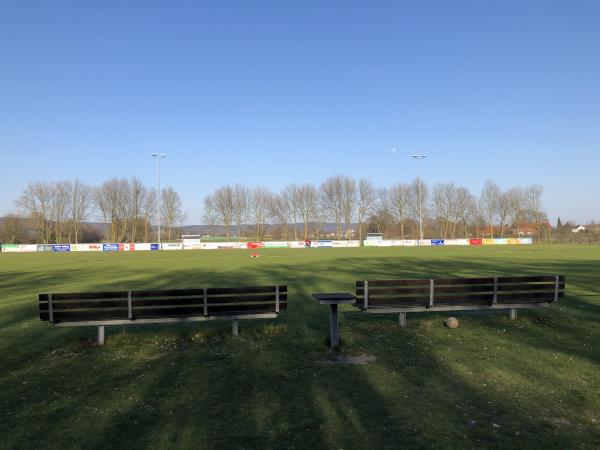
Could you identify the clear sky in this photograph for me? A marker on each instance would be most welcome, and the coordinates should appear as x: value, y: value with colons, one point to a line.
x: 272, y: 92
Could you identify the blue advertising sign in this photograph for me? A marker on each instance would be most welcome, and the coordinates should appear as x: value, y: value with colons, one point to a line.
x: 437, y: 242
x: 110, y: 247
x: 153, y: 246
x: 325, y: 244
x: 61, y: 247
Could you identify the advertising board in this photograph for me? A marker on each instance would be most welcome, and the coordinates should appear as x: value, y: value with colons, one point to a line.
x: 500, y: 241
x: 126, y: 247
x: 325, y: 243
x: 171, y: 246
x: 61, y: 247
x: 254, y: 245
x: 475, y: 241
x: 437, y: 242
x: 526, y: 241
x: 19, y: 248
x: 276, y: 244
x: 110, y: 247
x: 456, y: 242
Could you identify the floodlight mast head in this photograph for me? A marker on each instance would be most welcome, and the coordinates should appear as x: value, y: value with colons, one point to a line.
x: 158, y: 157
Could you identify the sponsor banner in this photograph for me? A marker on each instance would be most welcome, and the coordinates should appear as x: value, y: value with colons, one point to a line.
x: 44, y: 248
x: 437, y: 242
x: 301, y: 244
x: 526, y: 241
x: 345, y: 244
x: 144, y: 247
x: 126, y: 247
x: 254, y: 245
x: 154, y: 247
x: 500, y: 241
x: 276, y: 244
x: 110, y: 247
x: 514, y: 241
x: 456, y: 242
x: 325, y: 243
x: 20, y: 248
x: 80, y: 247
x: 61, y: 247
x: 488, y: 242
x: 192, y: 246
x: 424, y: 242
x: 171, y: 246
x: 475, y: 241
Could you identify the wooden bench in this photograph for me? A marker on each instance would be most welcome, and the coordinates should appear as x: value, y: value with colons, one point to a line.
x: 457, y: 294
x: 162, y: 306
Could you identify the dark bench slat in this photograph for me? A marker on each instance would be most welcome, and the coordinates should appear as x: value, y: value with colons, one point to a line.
x: 82, y: 316
x: 530, y: 287
x: 383, y: 283
x: 534, y: 297
x: 244, y: 290
x: 391, y: 302
x: 84, y: 296
x: 531, y: 279
x: 200, y: 300
x: 167, y: 293
x: 425, y: 290
x: 62, y: 306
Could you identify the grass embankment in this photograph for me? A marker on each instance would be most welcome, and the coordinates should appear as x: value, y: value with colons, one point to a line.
x: 533, y: 382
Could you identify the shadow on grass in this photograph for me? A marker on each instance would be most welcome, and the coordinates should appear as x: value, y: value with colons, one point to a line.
x: 195, y: 386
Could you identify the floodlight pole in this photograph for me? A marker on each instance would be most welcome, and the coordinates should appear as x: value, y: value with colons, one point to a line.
x: 419, y: 158
x: 158, y: 157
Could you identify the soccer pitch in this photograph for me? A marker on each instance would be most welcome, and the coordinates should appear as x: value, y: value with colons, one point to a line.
x: 533, y: 382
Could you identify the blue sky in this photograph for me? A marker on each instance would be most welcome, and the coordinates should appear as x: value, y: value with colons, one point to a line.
x: 272, y: 92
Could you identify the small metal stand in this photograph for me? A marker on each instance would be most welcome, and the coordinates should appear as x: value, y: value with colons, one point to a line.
x: 334, y: 299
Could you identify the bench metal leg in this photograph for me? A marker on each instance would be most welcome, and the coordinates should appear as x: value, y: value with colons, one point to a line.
x: 100, y: 334
x: 335, y: 334
x: 235, y: 329
x: 512, y: 313
x: 402, y: 319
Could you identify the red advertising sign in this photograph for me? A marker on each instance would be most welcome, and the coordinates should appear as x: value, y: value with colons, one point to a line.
x: 255, y: 245
x: 475, y: 241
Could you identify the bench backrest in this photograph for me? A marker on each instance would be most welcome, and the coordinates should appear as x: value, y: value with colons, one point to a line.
x: 488, y: 291
x: 157, y: 304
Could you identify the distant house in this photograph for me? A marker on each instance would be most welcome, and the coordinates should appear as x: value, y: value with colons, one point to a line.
x: 579, y: 229
x: 533, y: 229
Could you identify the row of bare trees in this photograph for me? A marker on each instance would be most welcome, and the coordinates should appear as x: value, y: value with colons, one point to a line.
x: 356, y: 206
x: 58, y: 210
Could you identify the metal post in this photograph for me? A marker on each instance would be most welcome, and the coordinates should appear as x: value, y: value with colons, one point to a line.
x: 419, y: 158
x: 512, y: 313
x: 100, y: 334
x: 129, y: 306
x: 334, y: 336
x: 431, y: 292
x: 556, y: 286
x: 366, y: 301
x: 402, y: 319
x: 235, y: 328
x: 277, y: 299
x: 50, y: 309
x: 158, y: 157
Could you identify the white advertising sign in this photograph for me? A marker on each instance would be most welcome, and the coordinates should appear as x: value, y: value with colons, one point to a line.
x: 171, y: 246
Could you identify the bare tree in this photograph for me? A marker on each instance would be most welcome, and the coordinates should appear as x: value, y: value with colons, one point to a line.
x: 466, y: 208
x: 113, y: 200
x: 260, y: 201
x: 11, y: 231
x: 306, y: 201
x: 348, y: 203
x: 503, y: 210
x: 241, y: 197
x: 79, y: 197
x: 490, y: 196
x: 533, y: 195
x: 332, y: 195
x: 171, y: 212
x: 148, y: 211
x: 221, y: 204
x: 291, y: 194
x: 517, y: 201
x: 367, y: 200
x: 279, y: 210
x: 35, y: 202
x: 398, y: 199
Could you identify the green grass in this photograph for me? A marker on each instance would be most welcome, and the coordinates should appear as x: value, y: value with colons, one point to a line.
x: 533, y: 382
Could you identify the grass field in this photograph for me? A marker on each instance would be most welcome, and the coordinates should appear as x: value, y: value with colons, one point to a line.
x: 492, y: 383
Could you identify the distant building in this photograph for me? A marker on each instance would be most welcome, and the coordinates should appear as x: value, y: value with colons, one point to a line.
x: 579, y: 229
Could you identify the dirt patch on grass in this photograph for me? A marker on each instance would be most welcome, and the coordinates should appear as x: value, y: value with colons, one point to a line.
x: 359, y: 360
